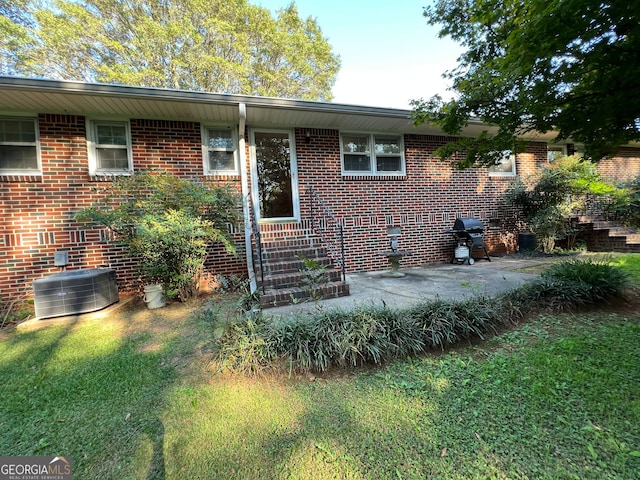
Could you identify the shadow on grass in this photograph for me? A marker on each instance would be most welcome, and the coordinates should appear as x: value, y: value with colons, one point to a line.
x: 120, y: 408
x: 155, y: 431
x: 86, y: 391
x: 560, y: 408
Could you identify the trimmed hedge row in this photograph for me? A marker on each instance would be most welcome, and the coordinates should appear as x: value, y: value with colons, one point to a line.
x: 373, y: 334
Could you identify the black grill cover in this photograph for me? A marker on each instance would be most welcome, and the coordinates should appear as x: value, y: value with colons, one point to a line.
x: 470, y: 225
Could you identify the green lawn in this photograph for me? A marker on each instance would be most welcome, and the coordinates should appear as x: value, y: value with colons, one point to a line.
x: 630, y: 264
x: 135, y: 396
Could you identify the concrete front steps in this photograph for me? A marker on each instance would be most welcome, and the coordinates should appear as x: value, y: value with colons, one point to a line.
x: 607, y: 236
x: 288, y: 280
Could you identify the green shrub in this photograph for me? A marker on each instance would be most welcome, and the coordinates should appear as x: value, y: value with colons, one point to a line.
x: 547, y: 201
x: 377, y: 333
x: 599, y: 281
x: 361, y: 336
x: 552, y: 294
x: 567, y: 285
x: 405, y: 335
x: 445, y: 322
x: 245, y: 347
x: 624, y: 206
x: 166, y: 223
x: 373, y: 334
x: 171, y: 248
x: 367, y: 334
x: 303, y: 342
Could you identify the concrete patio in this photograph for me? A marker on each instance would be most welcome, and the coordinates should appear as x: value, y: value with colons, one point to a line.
x: 430, y: 281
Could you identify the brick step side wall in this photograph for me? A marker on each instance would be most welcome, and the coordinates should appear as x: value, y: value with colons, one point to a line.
x: 609, y: 236
x: 288, y: 296
x: 285, y: 279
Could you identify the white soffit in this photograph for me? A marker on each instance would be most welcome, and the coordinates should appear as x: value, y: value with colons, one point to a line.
x: 24, y: 96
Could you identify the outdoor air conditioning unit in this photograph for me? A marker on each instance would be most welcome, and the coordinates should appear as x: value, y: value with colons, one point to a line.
x: 75, y: 291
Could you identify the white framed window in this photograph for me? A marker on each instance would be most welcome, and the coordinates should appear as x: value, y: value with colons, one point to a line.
x: 506, y: 167
x: 19, y: 148
x: 220, y: 150
x: 372, y: 154
x: 554, y: 152
x: 109, y: 147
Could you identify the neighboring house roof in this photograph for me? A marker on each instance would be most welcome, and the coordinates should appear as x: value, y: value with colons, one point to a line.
x: 55, y: 96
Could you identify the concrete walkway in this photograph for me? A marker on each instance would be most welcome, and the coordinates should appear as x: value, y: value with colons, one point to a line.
x: 428, y: 282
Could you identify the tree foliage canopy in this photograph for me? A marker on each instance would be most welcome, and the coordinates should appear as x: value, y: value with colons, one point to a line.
x: 226, y: 46
x: 565, y: 66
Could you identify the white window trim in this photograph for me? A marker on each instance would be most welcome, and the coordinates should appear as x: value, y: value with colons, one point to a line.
x: 372, y: 172
x: 92, y: 144
x: 562, y: 148
x: 36, y: 144
x: 204, y: 130
x: 513, y: 171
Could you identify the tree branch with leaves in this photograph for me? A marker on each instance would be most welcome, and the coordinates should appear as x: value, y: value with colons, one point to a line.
x: 570, y: 67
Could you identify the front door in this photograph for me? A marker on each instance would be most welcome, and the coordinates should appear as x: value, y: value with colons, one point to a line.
x: 274, y: 175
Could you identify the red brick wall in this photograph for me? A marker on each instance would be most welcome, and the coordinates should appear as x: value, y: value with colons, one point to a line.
x: 424, y: 203
x: 168, y: 145
x: 38, y: 211
x: 625, y: 165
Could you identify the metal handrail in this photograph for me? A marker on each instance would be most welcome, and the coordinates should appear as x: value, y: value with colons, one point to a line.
x: 335, y: 245
x: 258, y: 239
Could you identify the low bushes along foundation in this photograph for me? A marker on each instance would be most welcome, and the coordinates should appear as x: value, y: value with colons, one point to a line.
x: 373, y: 334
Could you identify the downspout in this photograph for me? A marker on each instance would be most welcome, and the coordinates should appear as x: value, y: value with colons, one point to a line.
x: 244, y: 180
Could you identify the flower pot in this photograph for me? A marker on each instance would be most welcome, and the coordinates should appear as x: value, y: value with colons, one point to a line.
x: 154, y: 296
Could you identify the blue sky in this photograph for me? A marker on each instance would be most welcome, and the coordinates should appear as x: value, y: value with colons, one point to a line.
x: 389, y: 54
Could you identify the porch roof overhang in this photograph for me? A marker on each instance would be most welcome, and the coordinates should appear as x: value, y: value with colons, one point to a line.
x: 29, y: 95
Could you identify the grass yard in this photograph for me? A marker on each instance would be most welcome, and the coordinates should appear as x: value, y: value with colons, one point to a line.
x: 630, y: 264
x: 136, y: 396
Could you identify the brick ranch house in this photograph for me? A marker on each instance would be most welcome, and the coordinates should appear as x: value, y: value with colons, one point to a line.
x: 298, y: 164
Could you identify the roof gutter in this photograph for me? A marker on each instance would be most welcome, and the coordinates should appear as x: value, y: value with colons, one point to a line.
x: 153, y: 93
x: 64, y: 87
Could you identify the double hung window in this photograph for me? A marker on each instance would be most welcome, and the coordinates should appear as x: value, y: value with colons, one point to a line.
x: 110, y: 151
x: 372, y: 154
x: 19, y: 146
x: 220, y: 151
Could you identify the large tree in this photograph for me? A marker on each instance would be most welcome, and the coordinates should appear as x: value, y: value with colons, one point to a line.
x: 14, y: 20
x: 227, y: 46
x: 565, y: 66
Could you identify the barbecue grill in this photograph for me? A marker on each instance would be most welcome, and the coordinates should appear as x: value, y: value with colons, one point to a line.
x: 469, y: 236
